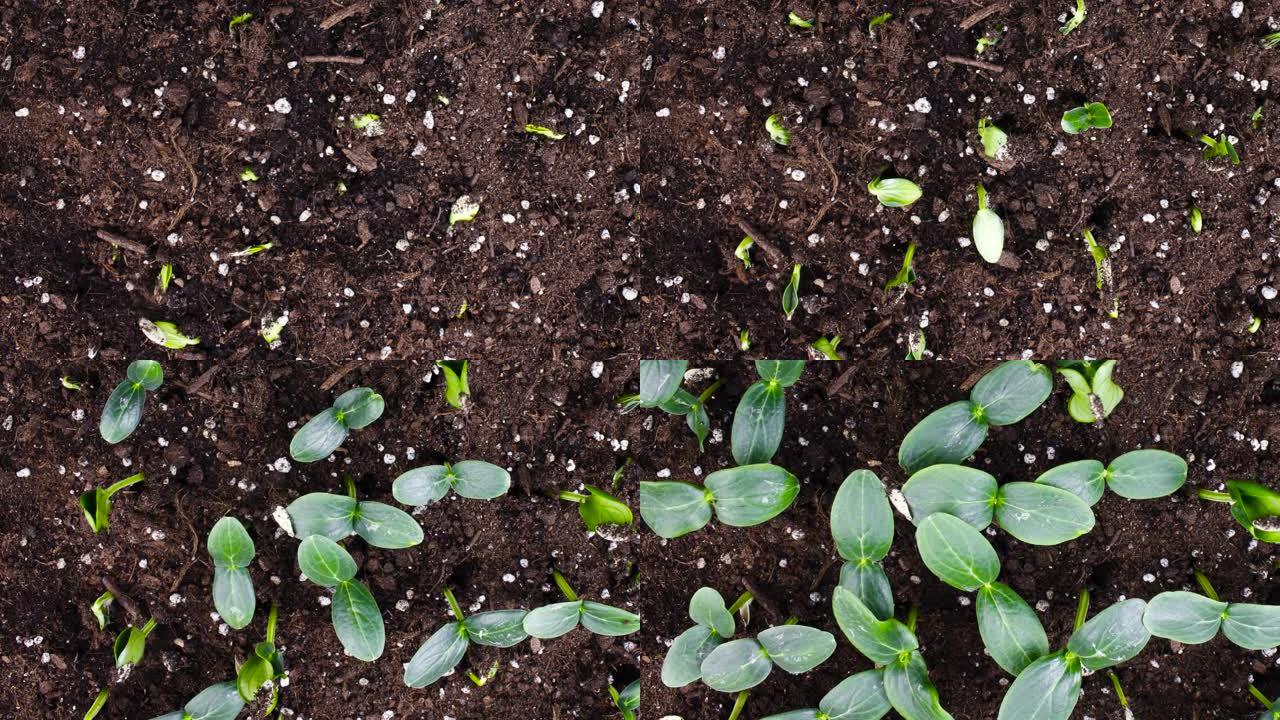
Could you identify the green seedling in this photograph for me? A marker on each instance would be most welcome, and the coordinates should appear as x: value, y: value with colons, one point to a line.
x: 907, y: 273
x: 1255, y: 324
x: 1255, y: 506
x: 164, y: 278
x: 355, y: 614
x: 893, y: 647
x: 123, y: 410
x: 1255, y: 120
x: 777, y: 133
x: 1050, y: 687
x: 990, y: 38
x: 1077, y: 17
x: 101, y: 609
x: 743, y: 251
x: 472, y: 479
x: 264, y: 666
x: 1093, y: 393
x: 659, y: 382
x: 456, y: 388
x: 988, y: 229
x: 166, y: 334
x: 694, y: 409
x: 370, y: 123
x: 791, y: 293
x: 796, y: 21
x: 131, y: 644
x: 1271, y: 41
x: 1272, y: 708
x: 1219, y: 147
x: 271, y: 326
x: 1196, y: 219
x: 1005, y: 395
x: 70, y: 384
x: 742, y: 664
x: 895, y: 192
x: 248, y: 175
x: 916, y: 345
x: 1135, y: 475
x: 354, y: 409
x: 240, y: 19
x: 877, y: 21
x: 464, y: 210
x: 252, y: 250
x: 713, y: 626
x: 96, y: 503
x: 858, y: 697
x: 744, y: 340
x: 828, y: 348
x: 99, y: 702
x: 995, y: 142
x: 862, y: 526
x: 557, y: 619
x: 741, y: 497
x: 761, y: 413
x: 1090, y: 116
x: 628, y: 700
x: 442, y: 652
x: 597, y: 507
x: 1192, y: 618
x: 486, y: 677
x: 543, y: 131
x: 338, y: 517
x: 232, y: 550
x: 1035, y: 513
x: 219, y: 702
x: 1103, y: 278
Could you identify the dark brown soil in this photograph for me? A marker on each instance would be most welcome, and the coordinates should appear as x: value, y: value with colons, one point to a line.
x: 209, y: 453
x: 1196, y: 410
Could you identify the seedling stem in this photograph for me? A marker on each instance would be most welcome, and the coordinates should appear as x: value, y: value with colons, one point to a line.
x: 1214, y: 496
x: 1206, y: 586
x: 738, y: 704
x: 271, y: 623
x: 1254, y: 691
x: 457, y: 610
x: 743, y: 600
x: 912, y: 615
x: 1082, y: 609
x: 564, y: 586
x: 351, y: 485
x: 1115, y: 682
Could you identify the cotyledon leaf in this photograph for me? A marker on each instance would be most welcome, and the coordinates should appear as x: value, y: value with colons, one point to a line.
x: 947, y: 435
x: 604, y: 619
x: 1256, y: 627
x: 868, y: 582
x: 672, y: 509
x: 956, y: 553
x: 1146, y: 474
x: 358, y: 621
x: 912, y: 694
x: 861, y: 519
x: 750, y: 494
x: 1041, y: 514
x: 1187, y: 617
x: 1010, y: 629
x: 659, y: 380
x: 384, y: 526
x: 683, y: 663
x: 436, y: 657
x: 785, y: 372
x: 736, y: 665
x: 965, y: 492
x: 797, y: 648
x: 1082, y: 478
x: 1012, y: 391
x: 1112, y: 636
x: 706, y: 607
x: 1048, y: 689
x: 318, y: 438
x: 552, y: 621
x: 880, y: 640
x: 758, y: 423
x: 496, y: 628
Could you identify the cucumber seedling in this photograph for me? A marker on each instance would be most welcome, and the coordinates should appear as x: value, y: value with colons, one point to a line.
x: 1103, y: 277
x: 1219, y: 147
x: 741, y: 497
x: 713, y: 626
x: 1050, y: 687
x: 232, y: 550
x: 988, y: 229
x: 599, y: 508
x: 739, y: 665
x: 265, y: 666
x: 1135, y: 475
x: 627, y: 700
x: 1077, y: 16
x: 166, y: 334
x: 354, y: 409
x: 557, y: 619
x: 1255, y: 506
x: 131, y: 644
x: 96, y: 503
x: 1089, y: 116
x: 1194, y: 618
x: 442, y: 652
x: 660, y: 387
x: 473, y: 479
x: 1272, y: 708
x: 860, y: 696
x: 338, y: 517
x: 355, y: 614
x: 1005, y: 395
x: 1093, y: 393
x: 218, y: 702
x: 101, y: 609
x: 791, y: 293
x: 895, y: 192
x: 454, y: 372
x: 906, y: 273
x: 778, y: 133
x: 758, y: 422
x: 123, y: 411
x: 862, y: 527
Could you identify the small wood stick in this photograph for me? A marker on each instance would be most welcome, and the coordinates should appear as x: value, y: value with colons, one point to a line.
x: 343, y: 14
x: 340, y: 59
x: 961, y: 60
x: 769, y: 248
x: 121, y: 242
x: 982, y: 14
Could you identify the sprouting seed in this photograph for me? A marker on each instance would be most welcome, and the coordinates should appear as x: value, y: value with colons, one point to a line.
x: 994, y: 140
x: 797, y: 21
x: 743, y: 251
x: 828, y: 347
x: 744, y: 340
x: 1196, y: 218
x: 988, y: 229
x: 544, y: 131
x: 1218, y: 147
x: 70, y: 384
x: 164, y: 278
x: 916, y: 345
x: 906, y: 274
x: 878, y: 20
x: 895, y: 192
x: 791, y: 293
x: 240, y: 19
x: 777, y: 131
x: 253, y: 250
x: 248, y: 175
x: 1076, y: 18
x: 1271, y: 41
x: 370, y: 123
x: 166, y: 334
x: 464, y: 210
x: 1255, y: 324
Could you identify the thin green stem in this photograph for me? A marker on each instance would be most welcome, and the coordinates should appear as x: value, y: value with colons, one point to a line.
x: 122, y: 484
x: 565, y: 588
x: 1115, y: 682
x: 1082, y: 609
x: 739, y: 704
x: 146, y: 629
x: 271, y: 623
x: 453, y: 604
x: 702, y: 398
x: 741, y: 602
x: 982, y: 197
x: 1214, y: 496
x: 479, y: 681
x: 913, y: 613
x: 793, y: 620
x: 572, y: 496
x: 351, y: 486
x: 1254, y: 691
x: 1206, y: 586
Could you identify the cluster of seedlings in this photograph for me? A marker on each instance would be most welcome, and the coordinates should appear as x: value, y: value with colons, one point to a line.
x: 322, y: 522
x: 953, y: 508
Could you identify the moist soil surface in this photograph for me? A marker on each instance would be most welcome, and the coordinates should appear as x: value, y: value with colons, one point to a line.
x: 214, y: 450
x: 841, y: 418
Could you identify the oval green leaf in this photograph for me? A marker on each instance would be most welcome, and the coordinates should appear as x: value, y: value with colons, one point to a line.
x: 1256, y: 627
x: 869, y: 583
x: 683, y: 663
x: 858, y: 697
x: 1112, y: 636
x: 861, y: 519
x: 659, y: 380
x: 332, y: 516
x: 895, y: 192
x: 735, y: 666
x: 758, y: 423
x: 358, y: 621
x: 963, y: 492
x: 949, y: 434
x: 421, y: 485
x: 358, y: 407
x: 751, y: 494
x: 318, y: 438
x: 672, y: 509
x: 497, y: 628
x: 386, y: 527
x: 229, y: 544
x: 604, y: 619
x: 123, y: 412
x: 1187, y: 617
x: 480, y: 480
x: 956, y: 553
x: 1083, y: 478
x: 324, y: 561
x: 808, y: 714
x: 910, y: 691
x: 554, y: 620
x: 216, y: 702
x: 1048, y: 689
x: 880, y: 640
x: 1012, y: 391
x: 233, y: 596
x: 1042, y: 514
x: 797, y: 648
x: 1010, y: 629
x: 706, y: 607
x: 146, y: 373
x: 785, y: 372
x: 1146, y: 474
x: 436, y: 657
